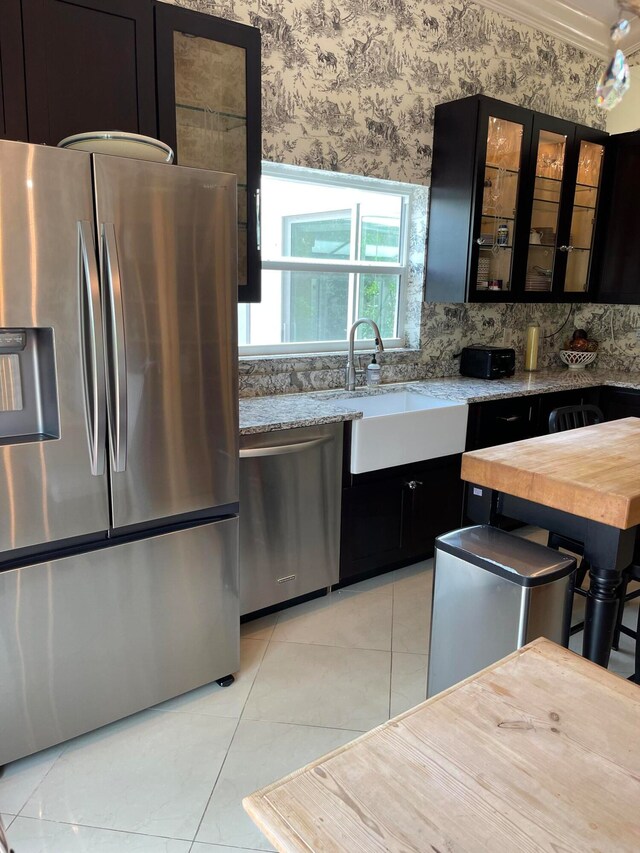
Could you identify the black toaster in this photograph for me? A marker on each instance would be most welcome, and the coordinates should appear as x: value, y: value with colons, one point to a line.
x: 484, y: 362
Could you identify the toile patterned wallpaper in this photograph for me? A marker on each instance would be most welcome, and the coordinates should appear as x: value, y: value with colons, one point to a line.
x: 351, y: 86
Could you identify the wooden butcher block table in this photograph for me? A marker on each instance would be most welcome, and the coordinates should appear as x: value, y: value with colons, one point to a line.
x: 584, y: 484
x: 512, y: 759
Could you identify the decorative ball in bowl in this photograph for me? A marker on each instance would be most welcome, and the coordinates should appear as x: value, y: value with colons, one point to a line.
x: 577, y: 360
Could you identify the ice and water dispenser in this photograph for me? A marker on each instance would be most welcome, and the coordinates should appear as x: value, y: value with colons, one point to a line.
x: 28, y: 393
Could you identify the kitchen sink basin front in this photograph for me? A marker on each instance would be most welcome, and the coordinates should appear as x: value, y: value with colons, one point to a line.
x: 401, y: 427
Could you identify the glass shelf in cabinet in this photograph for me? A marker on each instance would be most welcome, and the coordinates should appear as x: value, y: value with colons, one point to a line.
x: 502, y: 169
x: 224, y: 122
x: 212, y: 111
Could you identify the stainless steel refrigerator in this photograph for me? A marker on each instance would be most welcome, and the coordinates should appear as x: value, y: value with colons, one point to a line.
x: 118, y: 439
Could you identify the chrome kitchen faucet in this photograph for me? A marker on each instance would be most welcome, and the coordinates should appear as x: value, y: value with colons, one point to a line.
x: 351, y: 370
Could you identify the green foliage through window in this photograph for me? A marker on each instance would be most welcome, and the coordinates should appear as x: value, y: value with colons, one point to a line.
x: 333, y: 251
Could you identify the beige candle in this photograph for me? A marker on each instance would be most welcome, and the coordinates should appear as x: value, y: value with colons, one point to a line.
x: 533, y: 344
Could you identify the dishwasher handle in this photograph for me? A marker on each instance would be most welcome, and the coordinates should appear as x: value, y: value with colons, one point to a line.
x: 283, y: 449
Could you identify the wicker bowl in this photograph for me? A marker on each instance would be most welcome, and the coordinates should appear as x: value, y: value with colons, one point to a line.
x: 577, y: 360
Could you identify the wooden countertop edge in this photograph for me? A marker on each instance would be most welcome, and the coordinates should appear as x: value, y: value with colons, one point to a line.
x: 257, y: 804
x: 270, y: 830
x: 619, y: 511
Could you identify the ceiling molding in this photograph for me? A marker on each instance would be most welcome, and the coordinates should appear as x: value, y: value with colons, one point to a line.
x: 567, y: 23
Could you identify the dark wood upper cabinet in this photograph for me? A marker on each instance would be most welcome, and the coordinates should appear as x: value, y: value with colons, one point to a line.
x: 514, y: 199
x: 209, y: 111
x: 617, y: 234
x: 89, y: 66
x: 13, y: 104
x: 189, y: 79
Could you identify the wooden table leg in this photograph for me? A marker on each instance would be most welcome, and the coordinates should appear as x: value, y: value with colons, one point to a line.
x: 601, y: 614
x: 609, y: 552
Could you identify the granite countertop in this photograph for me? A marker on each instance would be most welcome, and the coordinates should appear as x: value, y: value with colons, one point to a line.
x: 285, y: 411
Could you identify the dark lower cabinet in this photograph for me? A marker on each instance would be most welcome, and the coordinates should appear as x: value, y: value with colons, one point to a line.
x: 548, y: 402
x: 372, y: 526
x: 620, y: 403
x: 501, y: 421
x: 89, y: 65
x: 391, y: 517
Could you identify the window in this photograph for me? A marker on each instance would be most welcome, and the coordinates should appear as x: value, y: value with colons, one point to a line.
x: 334, y: 248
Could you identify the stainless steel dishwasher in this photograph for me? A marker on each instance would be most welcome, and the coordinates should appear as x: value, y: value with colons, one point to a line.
x: 290, y: 488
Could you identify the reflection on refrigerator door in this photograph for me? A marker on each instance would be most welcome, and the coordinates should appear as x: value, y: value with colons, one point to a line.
x: 118, y: 429
x: 167, y: 247
x: 100, y: 635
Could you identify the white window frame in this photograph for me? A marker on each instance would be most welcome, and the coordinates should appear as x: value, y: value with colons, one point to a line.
x: 316, y: 176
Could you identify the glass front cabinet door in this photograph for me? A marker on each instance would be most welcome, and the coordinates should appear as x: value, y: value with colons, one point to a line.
x: 513, y: 204
x: 565, y: 174
x: 584, y: 206
x: 547, y: 166
x: 209, y: 112
x: 505, y: 142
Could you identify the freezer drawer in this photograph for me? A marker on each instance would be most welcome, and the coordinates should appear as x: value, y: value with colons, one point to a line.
x: 88, y: 639
x: 290, y: 486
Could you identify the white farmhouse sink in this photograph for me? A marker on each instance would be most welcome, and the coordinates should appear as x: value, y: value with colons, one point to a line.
x: 402, y: 427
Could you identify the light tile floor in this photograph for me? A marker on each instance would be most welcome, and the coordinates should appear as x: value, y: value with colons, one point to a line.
x: 171, y: 779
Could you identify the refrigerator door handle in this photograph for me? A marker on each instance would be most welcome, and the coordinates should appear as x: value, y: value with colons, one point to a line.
x: 116, y: 353
x: 93, y: 379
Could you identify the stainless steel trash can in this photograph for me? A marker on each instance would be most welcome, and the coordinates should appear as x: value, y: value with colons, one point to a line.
x: 493, y: 593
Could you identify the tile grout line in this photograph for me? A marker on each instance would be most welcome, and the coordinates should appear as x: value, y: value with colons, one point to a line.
x: 329, y: 646
x: 146, y: 710
x: 63, y: 751
x: 101, y: 828
x: 235, y: 731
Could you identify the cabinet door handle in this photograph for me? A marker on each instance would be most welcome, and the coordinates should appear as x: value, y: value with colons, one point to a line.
x: 510, y: 419
x: 481, y: 241
x: 413, y: 484
x: 258, y: 236
x: 565, y: 248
